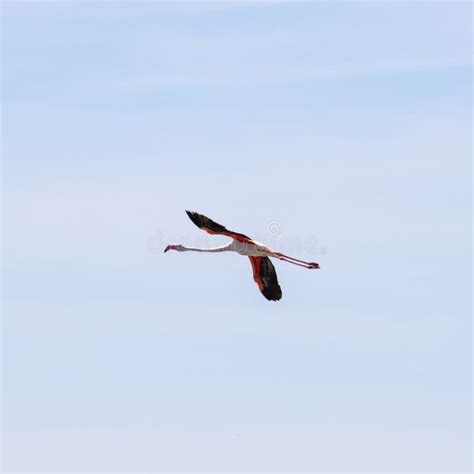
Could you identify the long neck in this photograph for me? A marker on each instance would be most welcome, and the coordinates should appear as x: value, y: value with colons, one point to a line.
x: 225, y: 248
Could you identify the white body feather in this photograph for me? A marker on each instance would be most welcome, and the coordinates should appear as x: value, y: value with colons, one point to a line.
x: 255, y: 249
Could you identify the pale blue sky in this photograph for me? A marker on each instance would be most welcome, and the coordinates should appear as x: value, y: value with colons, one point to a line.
x: 346, y: 127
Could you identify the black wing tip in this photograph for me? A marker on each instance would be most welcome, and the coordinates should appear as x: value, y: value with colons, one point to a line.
x: 272, y: 295
x: 195, y: 217
x: 271, y: 290
x: 203, y: 222
x: 275, y: 299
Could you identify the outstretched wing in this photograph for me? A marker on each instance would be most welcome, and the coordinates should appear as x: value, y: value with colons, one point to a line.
x: 211, y: 227
x: 265, y: 276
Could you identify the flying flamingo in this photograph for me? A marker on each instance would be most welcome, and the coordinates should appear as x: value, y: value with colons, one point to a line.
x: 264, y: 272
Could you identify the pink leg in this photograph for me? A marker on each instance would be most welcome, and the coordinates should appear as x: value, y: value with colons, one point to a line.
x: 295, y: 261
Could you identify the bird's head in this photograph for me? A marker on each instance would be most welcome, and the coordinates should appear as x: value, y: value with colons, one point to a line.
x: 177, y: 247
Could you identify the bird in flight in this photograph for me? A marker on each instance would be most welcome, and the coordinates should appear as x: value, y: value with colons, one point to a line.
x: 264, y: 272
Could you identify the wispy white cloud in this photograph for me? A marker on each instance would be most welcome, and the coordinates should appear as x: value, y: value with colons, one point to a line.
x: 259, y: 75
x: 112, y: 217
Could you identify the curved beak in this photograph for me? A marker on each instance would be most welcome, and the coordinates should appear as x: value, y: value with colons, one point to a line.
x: 166, y: 249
